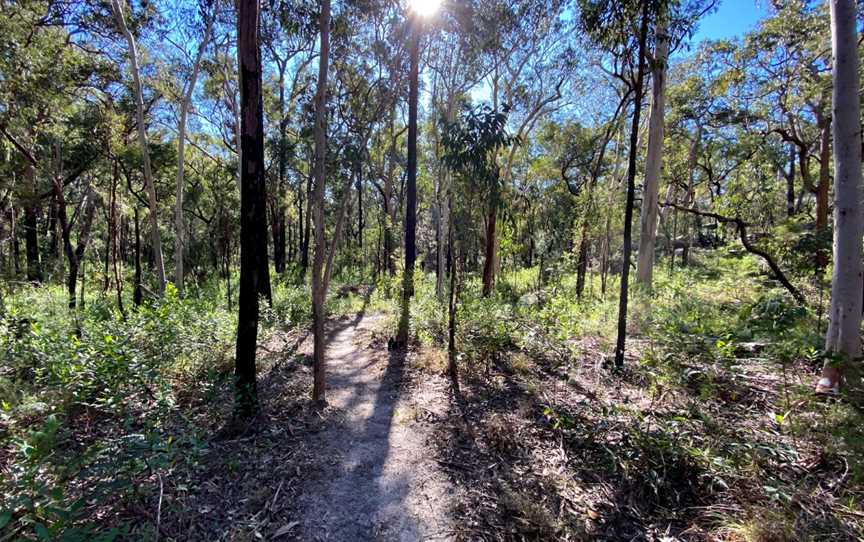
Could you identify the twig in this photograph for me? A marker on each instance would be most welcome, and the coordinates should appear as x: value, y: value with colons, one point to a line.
x: 159, y: 507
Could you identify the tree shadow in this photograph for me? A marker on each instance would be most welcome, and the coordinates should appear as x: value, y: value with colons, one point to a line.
x: 361, y: 494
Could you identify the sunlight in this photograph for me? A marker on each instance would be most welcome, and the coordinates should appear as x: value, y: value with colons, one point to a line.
x: 424, y: 8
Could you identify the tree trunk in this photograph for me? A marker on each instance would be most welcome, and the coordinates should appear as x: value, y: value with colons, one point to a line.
x: 631, y: 192
x: 822, y: 191
x: 179, y: 226
x: 281, y: 195
x: 489, y: 256
x: 137, y: 293
x: 142, y: 141
x: 253, y: 208
x: 115, y: 234
x: 319, y: 292
x: 31, y: 229
x: 790, y: 183
x: 654, y: 159
x: 844, y: 329
x: 410, y: 188
x: 452, y: 365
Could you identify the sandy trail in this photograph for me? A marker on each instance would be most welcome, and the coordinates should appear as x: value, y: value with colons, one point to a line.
x: 376, y: 478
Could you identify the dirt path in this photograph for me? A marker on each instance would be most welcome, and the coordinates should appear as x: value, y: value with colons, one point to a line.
x: 377, y: 478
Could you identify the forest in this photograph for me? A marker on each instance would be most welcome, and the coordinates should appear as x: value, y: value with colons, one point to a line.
x: 421, y: 270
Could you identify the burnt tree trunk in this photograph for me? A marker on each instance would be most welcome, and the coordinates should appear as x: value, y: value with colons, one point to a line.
x: 631, y: 194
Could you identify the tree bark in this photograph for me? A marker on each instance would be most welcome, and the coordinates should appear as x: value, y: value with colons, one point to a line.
x: 790, y: 183
x: 620, y: 342
x: 491, y: 234
x: 319, y: 292
x: 654, y: 158
x: 410, y: 187
x: 253, y: 209
x: 844, y: 329
x: 142, y: 141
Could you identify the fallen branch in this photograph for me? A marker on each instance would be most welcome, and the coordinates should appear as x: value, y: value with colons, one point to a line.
x: 741, y: 226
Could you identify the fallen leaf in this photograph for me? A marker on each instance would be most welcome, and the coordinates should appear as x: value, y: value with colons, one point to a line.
x: 285, y: 529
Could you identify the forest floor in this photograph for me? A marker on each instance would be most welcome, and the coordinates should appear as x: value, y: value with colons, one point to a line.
x: 361, y: 469
x: 710, y: 432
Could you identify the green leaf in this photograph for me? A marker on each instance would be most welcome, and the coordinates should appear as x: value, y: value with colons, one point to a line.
x: 42, y: 531
x: 5, y: 518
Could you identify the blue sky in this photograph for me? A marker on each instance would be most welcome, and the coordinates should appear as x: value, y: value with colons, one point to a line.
x: 732, y: 18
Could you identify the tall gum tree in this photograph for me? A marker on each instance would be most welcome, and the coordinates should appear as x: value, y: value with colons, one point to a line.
x: 150, y: 187
x: 185, y: 104
x: 654, y: 158
x: 843, y: 338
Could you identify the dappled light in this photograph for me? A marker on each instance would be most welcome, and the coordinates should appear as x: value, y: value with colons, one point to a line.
x: 431, y: 270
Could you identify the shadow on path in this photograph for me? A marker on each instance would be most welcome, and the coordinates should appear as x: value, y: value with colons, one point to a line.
x: 375, y: 478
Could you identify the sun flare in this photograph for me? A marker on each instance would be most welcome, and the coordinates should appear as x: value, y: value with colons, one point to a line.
x: 424, y: 8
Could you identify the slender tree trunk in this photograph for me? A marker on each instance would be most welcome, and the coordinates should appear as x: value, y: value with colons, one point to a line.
x: 654, y: 159
x: 452, y: 361
x: 31, y: 229
x: 304, y: 253
x: 179, y: 225
x: 137, y: 293
x: 278, y: 225
x: 142, y: 141
x: 115, y: 235
x: 844, y: 329
x: 822, y: 191
x: 253, y: 205
x: 491, y: 234
x: 319, y: 292
x: 16, y: 246
x: 410, y: 188
x: 631, y: 192
x: 790, y: 183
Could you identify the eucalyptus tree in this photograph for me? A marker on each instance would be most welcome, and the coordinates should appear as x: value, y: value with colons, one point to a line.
x: 608, y: 24
x: 119, y: 10
x: 674, y: 20
x: 529, y: 54
x: 785, y: 87
x: 843, y: 338
x: 253, y: 204
x: 319, y: 292
x: 288, y: 35
x: 189, y: 61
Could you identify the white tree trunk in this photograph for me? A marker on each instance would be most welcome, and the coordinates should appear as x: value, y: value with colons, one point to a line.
x: 844, y: 329
x: 180, y: 230
x: 117, y: 8
x: 654, y: 159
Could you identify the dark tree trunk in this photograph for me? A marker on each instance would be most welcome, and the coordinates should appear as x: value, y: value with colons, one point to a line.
x: 489, y: 257
x: 31, y: 231
x: 115, y: 237
x: 360, y: 211
x: 304, y: 249
x: 137, y: 292
x: 452, y: 365
x: 631, y: 192
x: 254, y: 272
x: 582, y: 261
x: 410, y: 188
